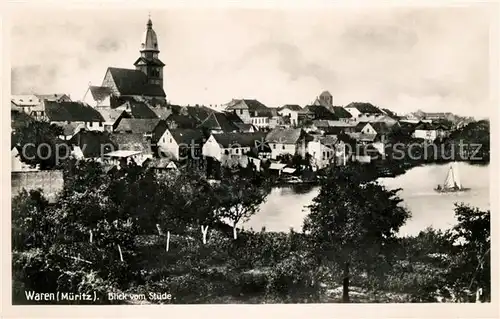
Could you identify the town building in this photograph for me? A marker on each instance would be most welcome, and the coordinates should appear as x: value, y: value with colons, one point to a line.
x: 180, y: 144
x: 251, y: 111
x: 234, y: 144
x: 288, y: 141
x: 296, y: 113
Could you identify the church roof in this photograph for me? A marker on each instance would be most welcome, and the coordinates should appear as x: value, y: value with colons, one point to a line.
x: 149, y: 39
x: 145, y: 61
x: 134, y: 82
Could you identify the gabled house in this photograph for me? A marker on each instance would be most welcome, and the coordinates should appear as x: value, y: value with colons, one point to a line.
x: 296, y: 113
x: 251, y: 111
x: 180, y: 121
x: 288, y: 141
x: 233, y: 144
x: 62, y: 113
x: 28, y: 104
x: 136, y: 107
x: 181, y: 144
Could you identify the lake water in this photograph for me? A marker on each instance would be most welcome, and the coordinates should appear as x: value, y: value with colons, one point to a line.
x: 285, y: 207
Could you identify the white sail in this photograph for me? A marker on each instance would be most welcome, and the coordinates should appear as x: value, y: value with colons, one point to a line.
x: 452, y: 179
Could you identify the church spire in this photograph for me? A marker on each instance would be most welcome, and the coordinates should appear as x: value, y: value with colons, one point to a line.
x: 148, y: 62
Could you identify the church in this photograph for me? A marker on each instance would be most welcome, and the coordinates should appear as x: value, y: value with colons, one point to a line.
x: 144, y: 83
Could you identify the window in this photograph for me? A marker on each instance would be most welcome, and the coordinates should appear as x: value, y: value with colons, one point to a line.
x: 163, y: 140
x: 283, y: 147
x: 241, y: 111
x: 100, y: 124
x: 274, y: 146
x: 236, y: 151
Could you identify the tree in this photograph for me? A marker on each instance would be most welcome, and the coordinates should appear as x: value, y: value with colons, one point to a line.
x: 469, y: 273
x: 40, y: 144
x: 238, y: 198
x: 353, y: 222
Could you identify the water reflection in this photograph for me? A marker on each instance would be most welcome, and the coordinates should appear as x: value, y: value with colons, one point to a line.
x: 285, y: 206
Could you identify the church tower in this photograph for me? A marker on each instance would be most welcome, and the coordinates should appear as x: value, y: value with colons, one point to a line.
x: 149, y: 63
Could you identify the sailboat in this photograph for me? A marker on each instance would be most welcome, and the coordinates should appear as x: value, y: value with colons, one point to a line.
x: 452, y: 182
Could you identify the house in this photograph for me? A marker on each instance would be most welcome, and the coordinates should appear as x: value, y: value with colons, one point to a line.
x: 320, y: 152
x: 62, y: 112
x: 181, y: 144
x: 112, y: 117
x: 134, y: 125
x: 28, y: 104
x: 17, y: 162
x: 335, y: 127
x: 233, y: 144
x: 379, y: 128
x: 287, y: 141
x: 117, y: 158
x: 134, y: 146
x: 251, y: 111
x: 98, y: 96
x: 430, y: 131
x: 91, y: 144
x: 161, y: 166
x: 180, y: 121
x: 295, y: 112
x: 363, y: 109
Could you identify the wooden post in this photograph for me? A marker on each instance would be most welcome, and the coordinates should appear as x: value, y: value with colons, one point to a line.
x: 91, y: 236
x: 168, y: 240
x: 120, y: 251
x: 204, y: 231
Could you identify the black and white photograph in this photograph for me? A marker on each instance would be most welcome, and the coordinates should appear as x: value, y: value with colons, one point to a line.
x: 239, y: 155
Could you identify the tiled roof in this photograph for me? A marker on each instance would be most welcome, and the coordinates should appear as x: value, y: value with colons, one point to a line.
x: 131, y: 142
x: 182, y: 121
x: 161, y: 112
x: 250, y: 104
x: 429, y: 126
x: 244, y: 127
x: 285, y: 136
x: 158, y: 131
x: 135, y: 125
x: 199, y: 113
x: 137, y: 109
x: 187, y: 136
x: 54, y: 97
x: 99, y: 93
x: 110, y: 115
x: 389, y: 112
x: 231, y: 116
x: 153, y: 61
x: 321, y: 112
x: 341, y: 112
x: 240, y: 139
x: 364, y: 107
x: 25, y: 100
x: 134, y: 82
x: 92, y: 143
x: 71, y: 111
x: 361, y: 125
x: 218, y: 121
x: 380, y: 127
x: 292, y: 107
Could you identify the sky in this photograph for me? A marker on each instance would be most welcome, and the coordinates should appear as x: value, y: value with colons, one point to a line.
x: 404, y: 59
